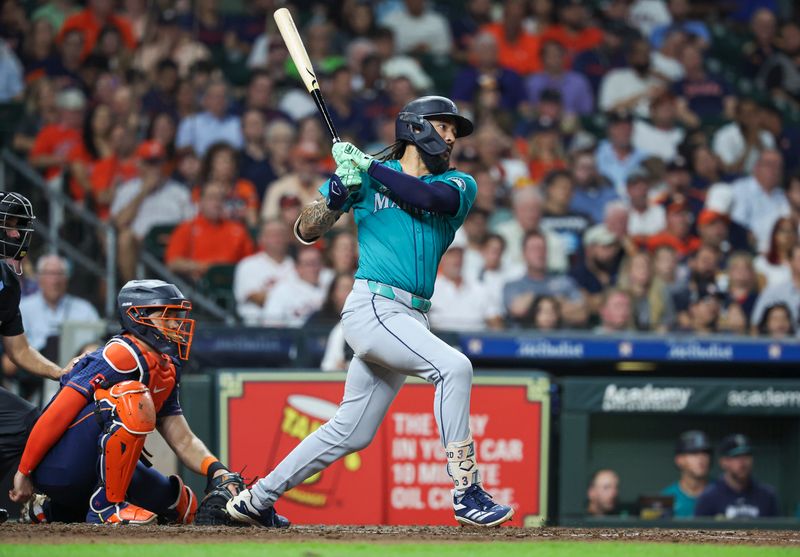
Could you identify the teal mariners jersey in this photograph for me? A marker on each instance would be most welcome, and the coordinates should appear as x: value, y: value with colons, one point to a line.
x: 683, y: 505
x: 402, y: 246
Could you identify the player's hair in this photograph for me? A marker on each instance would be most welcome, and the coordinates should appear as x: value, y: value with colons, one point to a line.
x: 393, y: 152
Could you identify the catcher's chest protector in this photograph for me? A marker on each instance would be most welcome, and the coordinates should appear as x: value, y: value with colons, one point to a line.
x: 156, y: 371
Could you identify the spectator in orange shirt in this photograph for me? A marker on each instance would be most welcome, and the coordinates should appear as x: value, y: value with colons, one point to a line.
x: 220, y: 165
x: 518, y: 50
x: 112, y: 170
x: 95, y: 144
x: 51, y: 148
x: 574, y: 30
x: 678, y: 232
x: 91, y: 21
x: 208, y: 239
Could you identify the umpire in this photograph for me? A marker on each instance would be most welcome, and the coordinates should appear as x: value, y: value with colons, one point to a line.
x: 17, y: 416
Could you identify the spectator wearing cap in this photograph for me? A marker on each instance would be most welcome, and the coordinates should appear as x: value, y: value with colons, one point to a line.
x: 705, y: 308
x: 213, y: 125
x: 91, y: 22
x: 680, y: 13
x: 557, y: 218
x: 776, y: 322
x: 518, y: 295
x: 296, y: 297
x: 53, y: 144
x: 608, y: 55
x: 773, y: 266
x: 575, y: 29
x: 737, y: 494
x: 419, y: 30
x: 631, y: 88
x: 616, y: 156
x: 678, y: 232
x: 759, y: 199
x: 302, y: 182
x: 592, y: 191
x: 576, y: 92
x: 740, y: 143
x: 693, y: 461
x: 518, y: 50
x: 526, y: 205
x: 646, y: 15
x: 702, y: 96
x: 485, y: 73
x: 208, y: 239
x: 149, y: 200
x: 787, y: 291
x: 665, y: 59
x: 645, y: 219
x: 678, y: 187
x: 256, y: 275
x: 602, y: 255
x: 662, y: 135
x: 741, y: 293
x: 616, y: 312
x: 449, y: 308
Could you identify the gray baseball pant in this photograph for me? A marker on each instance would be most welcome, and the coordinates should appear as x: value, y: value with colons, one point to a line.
x: 390, y: 341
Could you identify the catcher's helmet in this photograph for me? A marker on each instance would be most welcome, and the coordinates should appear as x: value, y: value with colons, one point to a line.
x: 412, y: 123
x: 16, y: 225
x: 170, y: 330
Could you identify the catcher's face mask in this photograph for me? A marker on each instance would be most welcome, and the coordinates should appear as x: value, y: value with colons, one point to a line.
x: 171, y: 326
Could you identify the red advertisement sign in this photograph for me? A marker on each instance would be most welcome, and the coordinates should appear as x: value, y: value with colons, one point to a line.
x: 401, y: 477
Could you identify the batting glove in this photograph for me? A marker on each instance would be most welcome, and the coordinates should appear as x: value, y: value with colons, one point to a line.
x: 350, y: 176
x: 346, y: 153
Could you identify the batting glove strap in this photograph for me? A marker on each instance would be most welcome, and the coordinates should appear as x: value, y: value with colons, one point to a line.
x: 337, y: 194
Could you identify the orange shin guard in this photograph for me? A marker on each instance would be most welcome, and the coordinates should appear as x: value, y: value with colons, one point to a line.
x: 133, y: 417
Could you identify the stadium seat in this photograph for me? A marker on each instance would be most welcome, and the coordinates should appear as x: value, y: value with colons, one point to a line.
x: 157, y: 239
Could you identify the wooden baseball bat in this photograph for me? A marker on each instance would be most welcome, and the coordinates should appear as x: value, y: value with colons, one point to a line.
x: 297, y: 51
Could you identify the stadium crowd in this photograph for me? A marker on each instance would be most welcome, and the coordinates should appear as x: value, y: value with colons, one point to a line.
x: 635, y: 159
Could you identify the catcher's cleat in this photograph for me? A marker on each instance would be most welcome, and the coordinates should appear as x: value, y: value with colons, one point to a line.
x: 36, y: 510
x: 476, y: 508
x: 241, y: 509
x: 121, y: 513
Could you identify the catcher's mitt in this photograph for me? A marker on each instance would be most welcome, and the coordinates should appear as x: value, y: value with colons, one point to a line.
x: 219, y: 491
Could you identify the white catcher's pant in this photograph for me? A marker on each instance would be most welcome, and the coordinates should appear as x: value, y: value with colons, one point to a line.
x: 390, y: 342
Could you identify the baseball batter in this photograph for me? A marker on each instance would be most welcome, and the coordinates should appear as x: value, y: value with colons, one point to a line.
x: 407, y: 208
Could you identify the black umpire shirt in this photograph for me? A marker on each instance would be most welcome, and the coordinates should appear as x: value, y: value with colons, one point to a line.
x: 16, y: 414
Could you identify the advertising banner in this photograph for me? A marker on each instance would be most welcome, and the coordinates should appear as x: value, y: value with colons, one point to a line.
x: 682, y: 396
x: 401, y: 477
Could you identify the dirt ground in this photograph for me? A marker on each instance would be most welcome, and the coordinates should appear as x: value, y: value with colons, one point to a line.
x: 83, y: 533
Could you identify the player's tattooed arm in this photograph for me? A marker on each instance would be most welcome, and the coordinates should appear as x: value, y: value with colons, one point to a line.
x: 314, y: 221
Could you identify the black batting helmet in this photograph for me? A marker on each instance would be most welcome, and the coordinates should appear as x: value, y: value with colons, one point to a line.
x: 693, y: 441
x: 170, y: 330
x: 16, y: 215
x: 412, y: 123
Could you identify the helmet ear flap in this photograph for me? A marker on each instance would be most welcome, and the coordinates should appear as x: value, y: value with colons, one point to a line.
x: 416, y: 129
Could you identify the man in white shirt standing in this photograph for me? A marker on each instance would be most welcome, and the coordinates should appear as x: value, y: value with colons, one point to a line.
x: 632, y: 87
x: 256, y: 275
x: 458, y: 304
x: 739, y: 144
x: 295, y: 298
x: 758, y: 200
x: 661, y: 137
x: 150, y: 200
x: 644, y: 219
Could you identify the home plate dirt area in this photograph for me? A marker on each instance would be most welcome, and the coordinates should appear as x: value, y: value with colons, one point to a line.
x: 86, y: 533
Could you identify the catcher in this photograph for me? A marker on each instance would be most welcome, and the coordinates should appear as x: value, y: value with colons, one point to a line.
x: 84, y: 452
